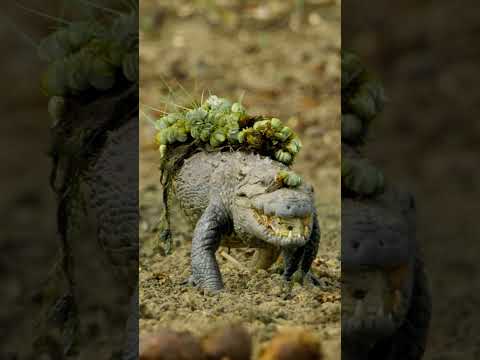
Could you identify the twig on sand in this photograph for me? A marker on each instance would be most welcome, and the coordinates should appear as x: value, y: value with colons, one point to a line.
x: 234, y: 261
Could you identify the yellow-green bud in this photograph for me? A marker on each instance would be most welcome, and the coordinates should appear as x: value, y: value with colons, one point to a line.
x: 276, y: 123
x: 283, y: 156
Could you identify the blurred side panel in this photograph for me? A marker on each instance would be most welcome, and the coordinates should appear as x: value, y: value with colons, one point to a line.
x: 427, y: 141
x: 69, y: 175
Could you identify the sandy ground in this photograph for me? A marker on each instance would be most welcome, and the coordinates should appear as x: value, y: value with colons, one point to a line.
x: 284, y: 59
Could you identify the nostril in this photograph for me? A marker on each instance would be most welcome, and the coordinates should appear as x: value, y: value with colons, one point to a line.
x: 355, y: 245
x: 290, y: 227
x: 288, y: 207
x: 359, y: 294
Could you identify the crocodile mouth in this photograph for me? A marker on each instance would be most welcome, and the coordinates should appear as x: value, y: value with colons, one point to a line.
x: 374, y: 304
x: 282, y: 230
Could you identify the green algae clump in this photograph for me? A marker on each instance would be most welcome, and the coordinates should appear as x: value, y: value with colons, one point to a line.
x: 219, y: 123
x: 363, y: 100
x: 86, y: 55
x: 289, y: 178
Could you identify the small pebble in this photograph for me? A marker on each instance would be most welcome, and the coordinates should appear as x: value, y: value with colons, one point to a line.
x: 292, y: 345
x: 170, y: 345
x: 232, y: 342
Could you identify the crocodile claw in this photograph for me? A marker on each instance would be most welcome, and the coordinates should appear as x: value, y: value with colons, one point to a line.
x: 311, y: 279
x: 190, y: 281
x: 194, y: 283
x: 303, y: 278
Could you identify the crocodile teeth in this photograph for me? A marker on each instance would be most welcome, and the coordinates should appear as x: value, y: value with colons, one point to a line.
x: 290, y: 234
x: 359, y: 310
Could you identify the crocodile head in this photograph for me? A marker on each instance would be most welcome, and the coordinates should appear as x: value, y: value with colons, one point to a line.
x: 269, y: 210
x: 378, y: 252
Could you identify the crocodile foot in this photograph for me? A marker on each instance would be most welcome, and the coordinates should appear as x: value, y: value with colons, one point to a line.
x: 311, y: 279
x: 60, y: 322
x: 303, y: 278
x: 192, y: 282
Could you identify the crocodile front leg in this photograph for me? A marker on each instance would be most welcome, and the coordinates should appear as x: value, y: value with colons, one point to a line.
x: 302, y: 257
x: 291, y: 259
x: 213, y: 223
x: 311, y: 247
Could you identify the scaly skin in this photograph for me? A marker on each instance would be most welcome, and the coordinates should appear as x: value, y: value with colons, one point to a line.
x: 112, y: 179
x: 235, y: 199
x: 385, y: 297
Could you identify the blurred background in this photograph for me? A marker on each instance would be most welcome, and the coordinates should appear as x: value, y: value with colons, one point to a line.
x: 282, y: 58
x: 428, y: 139
x: 28, y: 228
x: 29, y: 243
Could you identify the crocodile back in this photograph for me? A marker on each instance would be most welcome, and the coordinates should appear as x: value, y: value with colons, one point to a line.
x: 193, y: 183
x: 113, y: 183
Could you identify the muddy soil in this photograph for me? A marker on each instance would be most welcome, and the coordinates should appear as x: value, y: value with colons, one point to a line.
x: 283, y: 59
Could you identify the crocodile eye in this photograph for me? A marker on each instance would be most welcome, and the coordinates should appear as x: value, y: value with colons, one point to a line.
x: 241, y: 194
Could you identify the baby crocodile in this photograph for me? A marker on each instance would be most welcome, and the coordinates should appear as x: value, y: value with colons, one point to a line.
x: 240, y: 199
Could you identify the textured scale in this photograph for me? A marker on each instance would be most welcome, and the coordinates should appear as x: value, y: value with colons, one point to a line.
x: 192, y: 186
x: 116, y: 208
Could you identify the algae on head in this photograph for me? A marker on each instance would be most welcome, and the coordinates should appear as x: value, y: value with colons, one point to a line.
x: 87, y: 54
x: 220, y: 123
x: 361, y: 177
x: 363, y: 100
x: 289, y: 178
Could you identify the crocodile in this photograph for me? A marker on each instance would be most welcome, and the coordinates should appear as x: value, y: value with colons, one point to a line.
x: 237, y: 199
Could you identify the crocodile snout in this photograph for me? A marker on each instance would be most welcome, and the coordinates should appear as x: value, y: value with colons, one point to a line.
x: 380, y: 248
x: 374, y: 236
x: 284, y: 203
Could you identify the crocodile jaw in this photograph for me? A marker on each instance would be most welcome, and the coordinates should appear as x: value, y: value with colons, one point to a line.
x: 282, y: 231
x: 374, y: 303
